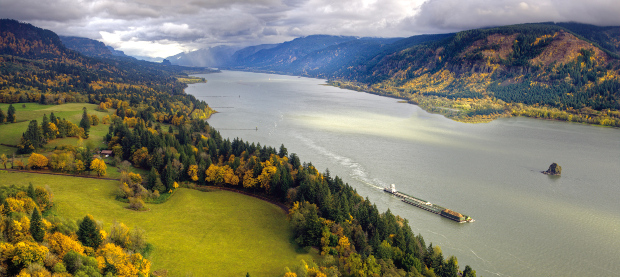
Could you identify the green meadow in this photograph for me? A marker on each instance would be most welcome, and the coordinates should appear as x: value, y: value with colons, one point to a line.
x: 194, y: 233
x: 10, y: 133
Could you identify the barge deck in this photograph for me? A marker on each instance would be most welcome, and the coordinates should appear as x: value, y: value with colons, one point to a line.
x: 428, y: 206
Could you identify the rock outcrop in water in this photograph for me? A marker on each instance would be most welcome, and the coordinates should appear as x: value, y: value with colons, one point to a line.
x: 554, y: 169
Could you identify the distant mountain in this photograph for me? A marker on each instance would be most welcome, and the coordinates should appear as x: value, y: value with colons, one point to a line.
x: 209, y: 57
x: 86, y: 46
x: 280, y: 57
x: 567, y: 71
x: 116, y: 52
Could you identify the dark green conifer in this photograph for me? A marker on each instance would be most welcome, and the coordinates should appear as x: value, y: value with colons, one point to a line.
x: 85, y: 122
x: 36, y: 226
x: 31, y: 193
x: 11, y: 114
x: 89, y: 233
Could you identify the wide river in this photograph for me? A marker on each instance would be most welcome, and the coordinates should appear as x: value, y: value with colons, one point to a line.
x: 527, y: 223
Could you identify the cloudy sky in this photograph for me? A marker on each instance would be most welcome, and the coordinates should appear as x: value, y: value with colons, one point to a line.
x: 161, y: 28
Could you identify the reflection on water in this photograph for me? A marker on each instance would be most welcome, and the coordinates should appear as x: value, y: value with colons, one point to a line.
x: 527, y: 223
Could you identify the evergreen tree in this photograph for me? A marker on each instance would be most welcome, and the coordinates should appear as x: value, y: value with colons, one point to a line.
x: 283, y: 151
x: 53, y: 118
x: 45, y: 125
x: 11, y: 114
x: 2, y: 116
x: 85, y: 122
x: 89, y: 233
x: 36, y: 226
x: 32, y: 138
x: 468, y: 272
x: 31, y: 192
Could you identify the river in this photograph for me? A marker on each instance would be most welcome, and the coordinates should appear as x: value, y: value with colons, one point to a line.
x: 527, y: 223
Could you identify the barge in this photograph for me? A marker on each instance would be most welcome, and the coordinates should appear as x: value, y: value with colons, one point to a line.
x: 428, y: 206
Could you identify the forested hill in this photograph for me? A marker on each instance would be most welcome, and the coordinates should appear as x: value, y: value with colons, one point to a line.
x: 91, y: 47
x: 35, y: 66
x: 565, y: 71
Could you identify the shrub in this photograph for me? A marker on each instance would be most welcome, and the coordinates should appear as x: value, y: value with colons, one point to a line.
x: 136, y: 203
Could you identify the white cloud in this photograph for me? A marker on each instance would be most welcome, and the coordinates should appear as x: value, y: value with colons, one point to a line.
x: 156, y: 27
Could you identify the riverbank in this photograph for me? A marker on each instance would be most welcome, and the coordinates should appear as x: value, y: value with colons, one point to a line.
x: 485, y: 110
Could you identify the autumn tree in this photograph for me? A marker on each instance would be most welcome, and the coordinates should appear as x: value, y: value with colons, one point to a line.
x: 98, y: 165
x: 11, y: 114
x: 94, y: 120
x: 36, y: 226
x: 4, y: 160
x: 140, y: 157
x: 2, y: 116
x: 192, y: 172
x: 62, y: 244
x: 89, y: 233
x: 36, y: 161
x: 78, y: 166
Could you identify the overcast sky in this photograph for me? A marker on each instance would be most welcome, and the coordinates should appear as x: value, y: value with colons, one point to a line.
x: 161, y: 28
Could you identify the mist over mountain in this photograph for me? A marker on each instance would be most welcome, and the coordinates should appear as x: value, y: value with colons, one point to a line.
x: 210, y: 57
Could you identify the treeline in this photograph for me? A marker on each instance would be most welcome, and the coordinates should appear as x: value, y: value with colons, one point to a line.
x: 34, y: 242
x: 354, y: 237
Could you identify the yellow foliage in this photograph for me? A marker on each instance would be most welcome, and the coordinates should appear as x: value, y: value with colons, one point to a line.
x: 98, y: 165
x: 344, y: 246
x: 23, y: 253
x: 135, y: 178
x: 248, y: 179
x: 192, y: 172
x: 221, y: 175
x: 125, y: 265
x: 21, y: 204
x: 61, y: 244
x: 37, y: 161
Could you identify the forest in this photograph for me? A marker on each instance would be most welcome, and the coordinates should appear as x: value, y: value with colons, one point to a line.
x: 155, y: 127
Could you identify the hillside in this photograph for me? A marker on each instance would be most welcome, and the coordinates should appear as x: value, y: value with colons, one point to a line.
x: 35, y: 66
x: 565, y: 71
x: 91, y: 47
x: 488, y: 73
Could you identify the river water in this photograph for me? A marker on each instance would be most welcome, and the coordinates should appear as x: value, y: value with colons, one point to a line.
x: 527, y: 223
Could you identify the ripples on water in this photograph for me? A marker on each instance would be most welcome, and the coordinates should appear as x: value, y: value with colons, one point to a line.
x: 527, y: 224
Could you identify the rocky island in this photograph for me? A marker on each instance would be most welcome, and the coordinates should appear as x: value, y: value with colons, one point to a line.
x: 554, y: 169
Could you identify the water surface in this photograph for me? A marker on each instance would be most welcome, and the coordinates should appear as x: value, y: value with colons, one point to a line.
x: 527, y: 223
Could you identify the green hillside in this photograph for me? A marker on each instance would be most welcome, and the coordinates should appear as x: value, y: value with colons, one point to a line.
x: 195, y: 233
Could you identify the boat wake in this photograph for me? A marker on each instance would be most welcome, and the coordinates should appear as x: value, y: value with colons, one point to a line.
x: 356, y: 170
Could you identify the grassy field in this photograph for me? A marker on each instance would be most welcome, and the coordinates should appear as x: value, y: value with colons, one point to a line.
x: 195, y: 233
x: 11, y: 133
